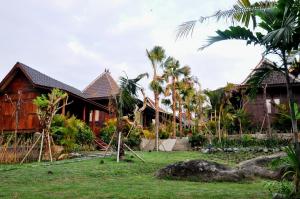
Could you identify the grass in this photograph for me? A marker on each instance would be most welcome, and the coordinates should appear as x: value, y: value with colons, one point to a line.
x: 95, y: 179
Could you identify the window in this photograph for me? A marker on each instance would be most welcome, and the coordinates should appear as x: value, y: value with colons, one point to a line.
x: 277, y: 101
x: 269, y: 106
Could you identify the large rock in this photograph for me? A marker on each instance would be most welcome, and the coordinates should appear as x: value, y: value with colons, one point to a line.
x: 207, y: 171
x: 199, y: 170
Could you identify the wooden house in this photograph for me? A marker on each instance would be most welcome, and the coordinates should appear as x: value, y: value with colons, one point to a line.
x: 23, y: 84
x: 272, y: 91
x: 104, y: 89
x: 92, y: 105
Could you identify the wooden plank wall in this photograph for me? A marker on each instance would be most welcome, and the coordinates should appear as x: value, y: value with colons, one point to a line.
x: 18, y: 88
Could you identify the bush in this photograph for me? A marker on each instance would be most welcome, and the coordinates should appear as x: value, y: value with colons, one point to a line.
x: 163, y: 134
x: 71, y: 132
x: 197, y: 140
x: 109, y: 128
x: 134, y: 138
x: 284, y: 188
x: 148, y: 134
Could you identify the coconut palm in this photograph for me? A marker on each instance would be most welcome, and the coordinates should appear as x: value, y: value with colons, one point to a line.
x: 156, y: 56
x: 182, y: 87
x: 172, y: 72
x: 281, y: 34
x: 242, y: 12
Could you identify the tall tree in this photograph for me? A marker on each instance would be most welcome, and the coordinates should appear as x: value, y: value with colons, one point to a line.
x: 280, y: 23
x: 172, y: 72
x: 156, y: 56
x: 183, y: 86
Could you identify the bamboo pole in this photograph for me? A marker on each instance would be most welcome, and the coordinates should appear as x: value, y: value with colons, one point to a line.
x: 31, y: 149
x: 49, y: 145
x: 110, y: 142
x: 119, y: 146
x: 41, y: 146
x: 133, y: 152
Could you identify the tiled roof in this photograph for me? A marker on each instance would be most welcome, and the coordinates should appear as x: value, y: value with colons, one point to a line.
x: 41, y: 79
x: 104, y: 86
x: 275, y: 77
x: 151, y: 104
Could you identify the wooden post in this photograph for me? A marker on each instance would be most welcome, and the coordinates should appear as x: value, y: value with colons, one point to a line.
x: 119, y: 147
x: 93, y: 121
x: 84, y: 114
x: 134, y: 152
x: 63, y: 110
x: 267, y: 114
x: 41, y: 146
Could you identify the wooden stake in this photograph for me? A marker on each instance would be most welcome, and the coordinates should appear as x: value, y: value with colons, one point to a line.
x: 31, y: 149
x: 110, y: 142
x: 119, y: 146
x: 41, y: 146
x: 134, y: 152
x: 49, y: 145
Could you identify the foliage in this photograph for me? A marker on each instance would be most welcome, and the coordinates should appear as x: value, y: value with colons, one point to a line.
x: 249, y: 141
x: 293, y: 167
x: 163, y: 132
x: 148, y: 134
x: 108, y: 129
x: 281, y: 122
x: 70, y: 132
x: 134, y: 138
x: 285, y: 188
x: 197, y: 139
x: 128, y: 94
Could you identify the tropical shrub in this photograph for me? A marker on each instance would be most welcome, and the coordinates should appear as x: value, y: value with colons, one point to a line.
x: 163, y: 133
x: 109, y: 128
x: 197, y: 140
x: 70, y: 132
x: 134, y: 138
x: 148, y: 134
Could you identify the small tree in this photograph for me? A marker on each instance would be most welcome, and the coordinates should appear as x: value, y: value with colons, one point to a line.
x: 47, y: 107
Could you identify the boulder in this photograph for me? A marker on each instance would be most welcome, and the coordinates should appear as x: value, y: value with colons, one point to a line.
x: 199, y: 170
x: 208, y: 171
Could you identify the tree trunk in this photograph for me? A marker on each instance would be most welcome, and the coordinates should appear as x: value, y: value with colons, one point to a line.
x: 156, y: 101
x: 180, y: 117
x: 241, y: 129
x: 219, y: 126
x: 266, y: 112
x: 291, y: 103
x: 174, y: 107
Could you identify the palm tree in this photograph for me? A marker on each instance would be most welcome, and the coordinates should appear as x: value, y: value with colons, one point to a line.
x: 182, y: 87
x: 127, y: 100
x: 281, y: 26
x: 188, y: 95
x: 172, y: 72
x: 242, y: 12
x: 156, y: 56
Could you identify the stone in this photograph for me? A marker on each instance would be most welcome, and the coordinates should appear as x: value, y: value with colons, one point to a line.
x: 204, y: 150
x: 63, y: 156
x: 208, y: 171
x: 199, y: 170
x: 266, y: 150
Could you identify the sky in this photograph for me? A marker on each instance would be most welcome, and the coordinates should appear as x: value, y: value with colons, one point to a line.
x: 75, y: 40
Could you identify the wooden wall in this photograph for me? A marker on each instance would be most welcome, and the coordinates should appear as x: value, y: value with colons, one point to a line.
x: 257, y: 107
x: 19, y: 87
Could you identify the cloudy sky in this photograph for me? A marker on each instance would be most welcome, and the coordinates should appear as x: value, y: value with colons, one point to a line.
x: 75, y: 40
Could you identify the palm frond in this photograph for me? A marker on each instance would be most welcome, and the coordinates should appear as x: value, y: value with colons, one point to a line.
x: 241, y: 12
x: 233, y: 33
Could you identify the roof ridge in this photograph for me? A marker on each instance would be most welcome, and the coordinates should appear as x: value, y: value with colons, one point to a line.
x: 90, y: 84
x: 24, y: 65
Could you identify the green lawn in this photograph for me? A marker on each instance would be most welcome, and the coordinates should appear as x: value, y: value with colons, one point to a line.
x: 91, y: 179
